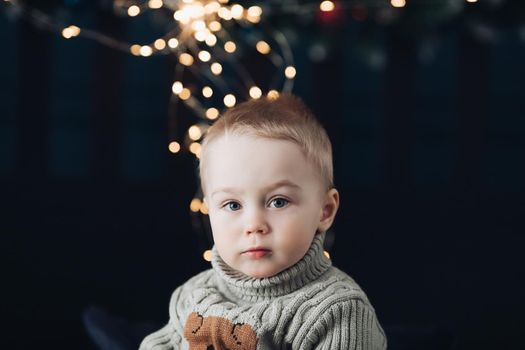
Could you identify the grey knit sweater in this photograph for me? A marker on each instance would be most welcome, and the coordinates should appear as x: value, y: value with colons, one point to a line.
x: 311, y: 305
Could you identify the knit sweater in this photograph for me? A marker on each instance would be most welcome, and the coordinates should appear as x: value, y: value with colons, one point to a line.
x: 311, y: 305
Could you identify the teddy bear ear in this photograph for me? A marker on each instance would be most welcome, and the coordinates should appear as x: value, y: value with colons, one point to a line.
x: 242, y: 337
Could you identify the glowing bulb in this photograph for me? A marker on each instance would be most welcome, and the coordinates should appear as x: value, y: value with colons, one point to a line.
x: 195, y: 148
x: 237, y: 11
x: 66, y: 33
x: 146, y: 51
x: 207, y: 91
x: 201, y: 35
x: 273, y: 94
x: 290, y: 72
x: 326, y: 254
x: 254, y: 11
x: 135, y: 50
x: 207, y: 255
x: 263, y: 47
x: 229, y: 100
x: 224, y: 13
x: 212, y: 7
x: 185, y: 94
x: 194, y: 132
x: 177, y: 87
x: 204, y: 56
x: 398, y: 3
x: 472, y: 0
x: 155, y: 4
x: 133, y: 10
x: 204, y: 208
x: 186, y: 59
x: 173, y: 43
x: 198, y: 25
x: 230, y: 46
x: 212, y: 113
x: 195, y: 205
x: 216, y: 68
x: 215, y: 26
x: 160, y: 44
x: 174, y: 147
x: 211, y: 40
x: 327, y: 6
x: 255, y: 92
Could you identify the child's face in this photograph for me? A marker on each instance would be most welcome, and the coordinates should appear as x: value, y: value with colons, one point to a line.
x: 265, y: 203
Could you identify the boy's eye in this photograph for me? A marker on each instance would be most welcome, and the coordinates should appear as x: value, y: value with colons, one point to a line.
x: 279, y: 202
x: 233, y: 206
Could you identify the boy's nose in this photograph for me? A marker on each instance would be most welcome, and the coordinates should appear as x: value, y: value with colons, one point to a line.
x: 256, y: 224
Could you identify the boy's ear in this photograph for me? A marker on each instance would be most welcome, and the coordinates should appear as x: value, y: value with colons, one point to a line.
x: 329, y: 209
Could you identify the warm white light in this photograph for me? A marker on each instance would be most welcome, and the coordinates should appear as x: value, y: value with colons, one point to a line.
x: 186, y: 59
x: 273, y: 94
x: 398, y: 3
x: 211, y: 40
x: 237, y: 11
x: 173, y: 43
x: 263, y: 47
x: 194, y: 132
x: 135, y: 50
x: 327, y: 6
x: 146, y: 51
x: 230, y: 46
x: 212, y: 7
x: 204, y: 56
x: 207, y: 255
x: 204, y: 208
x: 290, y: 72
x: 155, y: 4
x: 201, y: 35
x: 185, y: 94
x: 195, y: 148
x: 254, y: 11
x: 133, y: 10
x: 326, y: 254
x: 174, y: 147
x: 229, y: 100
x: 255, y: 92
x: 216, y: 68
x: 70, y: 32
x: 177, y: 87
x: 160, y: 44
x: 212, y: 113
x: 195, y: 205
x: 207, y: 91
x: 224, y: 13
x: 472, y: 0
x: 215, y: 26
x: 198, y: 25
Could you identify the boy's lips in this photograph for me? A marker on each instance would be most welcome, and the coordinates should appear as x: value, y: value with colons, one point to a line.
x: 257, y: 252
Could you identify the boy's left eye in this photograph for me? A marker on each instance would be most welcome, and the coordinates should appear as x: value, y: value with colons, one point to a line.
x: 279, y: 202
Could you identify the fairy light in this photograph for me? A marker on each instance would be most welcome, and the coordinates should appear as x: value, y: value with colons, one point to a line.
x: 212, y: 7
x: 230, y: 47
x: 216, y: 68
x: 263, y: 47
x: 273, y: 94
x: 237, y: 11
x: 327, y: 6
x: 198, y: 25
x: 135, y: 50
x: 398, y: 3
x: 194, y: 132
x: 201, y: 35
x: 185, y: 94
x: 70, y: 32
x: 255, y: 92
x: 207, y: 255
x: 215, y: 26
x: 212, y: 113
x: 290, y: 72
x: 254, y: 11
x: 225, y: 14
x: 195, y: 205
x: 177, y: 87
x: 211, y: 40
x: 326, y: 254
x: 160, y: 44
x: 173, y: 43
x: 207, y: 92
x: 133, y: 11
x: 186, y: 59
x: 204, y: 208
x: 155, y: 4
x: 472, y: 1
x: 229, y: 100
x: 174, y: 147
x: 204, y: 56
x: 146, y: 51
x: 195, y: 148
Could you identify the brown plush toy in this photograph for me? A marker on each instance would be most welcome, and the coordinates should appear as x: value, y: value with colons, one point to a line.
x: 217, y: 333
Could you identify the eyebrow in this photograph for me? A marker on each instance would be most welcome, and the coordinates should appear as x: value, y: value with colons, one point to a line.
x: 278, y: 184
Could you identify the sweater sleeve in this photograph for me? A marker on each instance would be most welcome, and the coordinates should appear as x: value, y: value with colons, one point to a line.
x: 348, y: 325
x: 168, y: 337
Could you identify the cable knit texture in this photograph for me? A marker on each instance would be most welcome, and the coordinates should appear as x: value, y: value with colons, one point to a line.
x: 311, y: 305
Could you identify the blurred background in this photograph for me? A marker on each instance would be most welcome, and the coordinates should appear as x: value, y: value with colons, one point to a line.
x: 424, y: 102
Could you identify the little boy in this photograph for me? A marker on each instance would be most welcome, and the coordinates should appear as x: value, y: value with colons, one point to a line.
x: 266, y: 174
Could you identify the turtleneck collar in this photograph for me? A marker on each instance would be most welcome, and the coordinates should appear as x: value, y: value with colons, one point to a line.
x: 313, y: 264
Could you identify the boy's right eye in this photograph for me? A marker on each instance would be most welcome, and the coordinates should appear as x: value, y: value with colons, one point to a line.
x: 232, y: 206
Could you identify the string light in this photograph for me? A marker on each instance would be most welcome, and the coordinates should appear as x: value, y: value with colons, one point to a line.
x: 273, y: 94
x: 207, y: 91
x: 204, y: 209
x: 263, y: 47
x: 290, y: 72
x: 255, y: 92
x: 135, y: 50
x: 160, y: 44
x: 173, y: 43
x: 398, y: 3
x: 146, y: 51
x: 174, y: 147
x: 186, y: 59
x: 204, y: 56
x: 177, y: 87
x: 327, y: 6
x: 212, y: 113
x: 155, y: 4
x: 195, y: 205
x: 195, y: 148
x: 211, y: 40
x: 70, y: 32
x: 237, y: 11
x: 215, y: 26
x: 207, y: 255
x: 230, y: 47
x: 216, y: 68
x: 326, y: 254
x: 185, y: 94
x: 229, y: 100
x: 194, y: 132
x: 133, y: 11
x: 472, y: 0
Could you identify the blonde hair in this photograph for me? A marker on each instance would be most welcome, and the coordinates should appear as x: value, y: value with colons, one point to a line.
x: 284, y: 118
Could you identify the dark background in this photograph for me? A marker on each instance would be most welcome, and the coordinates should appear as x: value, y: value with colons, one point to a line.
x: 428, y: 129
